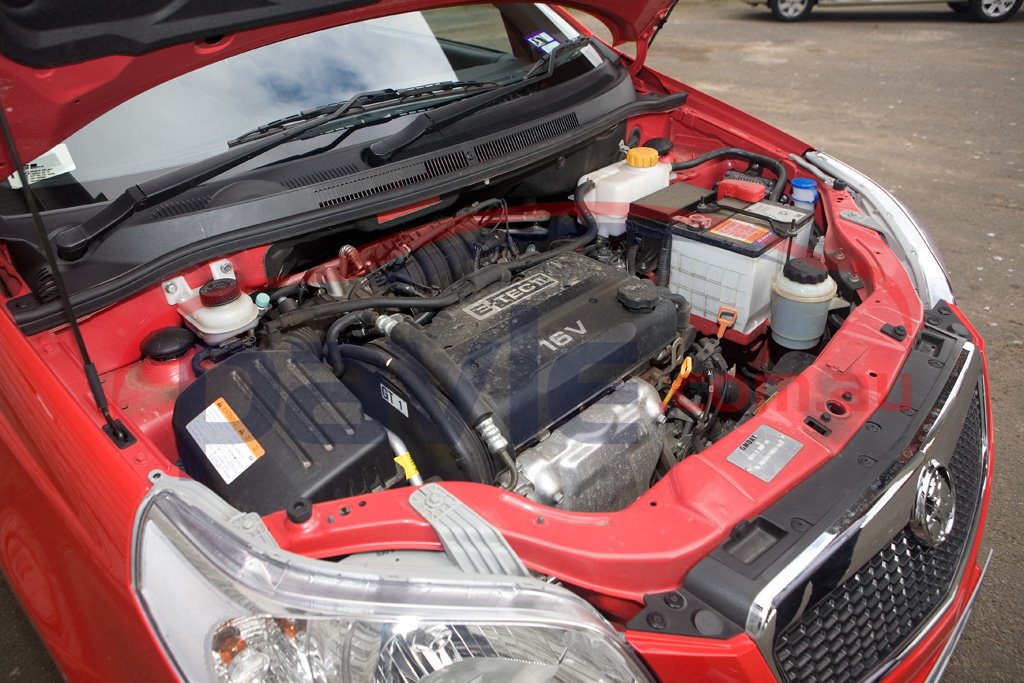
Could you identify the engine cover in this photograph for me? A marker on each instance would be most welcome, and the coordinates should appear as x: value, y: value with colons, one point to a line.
x: 266, y: 428
x: 551, y: 340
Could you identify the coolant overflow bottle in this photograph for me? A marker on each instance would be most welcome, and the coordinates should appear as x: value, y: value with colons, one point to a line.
x: 618, y: 185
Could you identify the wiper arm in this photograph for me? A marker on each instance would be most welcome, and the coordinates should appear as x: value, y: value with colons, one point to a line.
x: 73, y: 243
x: 382, y: 150
x: 370, y: 101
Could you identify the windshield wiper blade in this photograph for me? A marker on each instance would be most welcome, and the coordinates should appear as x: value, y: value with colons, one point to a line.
x: 370, y: 100
x: 73, y: 243
x: 382, y: 150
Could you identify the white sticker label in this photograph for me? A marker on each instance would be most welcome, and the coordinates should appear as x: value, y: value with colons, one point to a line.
x: 227, y: 443
x: 55, y: 162
x: 765, y: 452
x: 396, y: 401
x: 785, y: 214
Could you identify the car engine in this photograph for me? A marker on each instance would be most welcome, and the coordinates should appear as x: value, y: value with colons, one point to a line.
x: 571, y: 356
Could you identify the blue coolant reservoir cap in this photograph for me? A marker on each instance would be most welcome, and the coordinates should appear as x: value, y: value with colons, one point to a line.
x: 804, y: 183
x: 262, y: 299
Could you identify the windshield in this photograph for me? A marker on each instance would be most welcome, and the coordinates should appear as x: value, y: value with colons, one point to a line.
x: 195, y: 115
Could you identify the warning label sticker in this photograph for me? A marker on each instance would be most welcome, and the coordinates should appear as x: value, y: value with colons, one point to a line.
x: 765, y: 453
x: 227, y: 443
x: 55, y: 162
x: 740, y: 231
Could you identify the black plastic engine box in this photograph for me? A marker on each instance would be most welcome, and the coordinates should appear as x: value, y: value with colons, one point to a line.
x: 265, y: 428
x: 541, y: 347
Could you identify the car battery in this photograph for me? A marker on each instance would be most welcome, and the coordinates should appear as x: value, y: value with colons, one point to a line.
x: 725, y: 252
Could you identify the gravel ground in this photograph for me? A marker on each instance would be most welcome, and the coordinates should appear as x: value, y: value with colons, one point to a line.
x: 931, y: 105
x: 926, y: 103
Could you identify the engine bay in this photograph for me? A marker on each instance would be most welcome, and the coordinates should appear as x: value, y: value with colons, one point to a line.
x: 570, y: 351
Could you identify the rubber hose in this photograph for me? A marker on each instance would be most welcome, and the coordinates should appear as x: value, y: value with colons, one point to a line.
x: 305, y: 338
x: 424, y: 317
x: 337, y: 329
x: 469, y: 455
x: 197, y: 361
x: 333, y: 309
x: 735, y: 152
x: 682, y: 307
x: 288, y: 290
x: 472, y: 403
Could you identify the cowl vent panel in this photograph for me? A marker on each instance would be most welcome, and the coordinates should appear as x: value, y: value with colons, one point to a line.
x: 320, y: 176
x: 525, y: 138
x: 178, y: 207
x: 389, y: 179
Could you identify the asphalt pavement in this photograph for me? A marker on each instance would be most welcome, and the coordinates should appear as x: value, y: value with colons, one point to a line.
x: 931, y: 105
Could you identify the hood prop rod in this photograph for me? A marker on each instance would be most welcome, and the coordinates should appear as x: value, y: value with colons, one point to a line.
x: 115, y: 429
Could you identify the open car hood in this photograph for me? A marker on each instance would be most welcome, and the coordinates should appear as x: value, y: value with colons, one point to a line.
x: 65, y: 62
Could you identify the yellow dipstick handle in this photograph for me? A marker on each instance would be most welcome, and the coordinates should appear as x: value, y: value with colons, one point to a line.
x: 405, y: 461
x: 684, y: 372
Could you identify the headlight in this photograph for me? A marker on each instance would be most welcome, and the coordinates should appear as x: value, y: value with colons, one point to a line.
x: 228, y: 605
x: 908, y: 240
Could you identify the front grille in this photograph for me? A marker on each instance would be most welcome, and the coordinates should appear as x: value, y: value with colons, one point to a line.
x: 851, y: 632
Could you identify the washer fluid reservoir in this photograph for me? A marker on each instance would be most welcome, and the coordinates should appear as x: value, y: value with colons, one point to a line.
x: 618, y: 185
x: 802, y: 294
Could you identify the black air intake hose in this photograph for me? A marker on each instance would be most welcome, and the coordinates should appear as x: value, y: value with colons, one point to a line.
x: 736, y: 153
x: 472, y: 403
x: 469, y: 454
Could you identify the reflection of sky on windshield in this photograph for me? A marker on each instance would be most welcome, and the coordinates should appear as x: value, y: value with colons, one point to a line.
x: 193, y: 116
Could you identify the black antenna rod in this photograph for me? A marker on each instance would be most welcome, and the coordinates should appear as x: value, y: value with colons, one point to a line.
x: 115, y: 429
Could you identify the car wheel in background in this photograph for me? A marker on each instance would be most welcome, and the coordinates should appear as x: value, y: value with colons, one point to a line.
x: 994, y: 10
x: 794, y: 10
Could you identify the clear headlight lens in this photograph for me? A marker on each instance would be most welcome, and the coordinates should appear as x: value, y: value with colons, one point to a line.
x: 909, y: 241
x: 228, y: 605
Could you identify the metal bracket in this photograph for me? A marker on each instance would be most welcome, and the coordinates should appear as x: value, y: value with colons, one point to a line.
x: 177, y: 290
x: 222, y: 269
x: 468, y: 539
x: 861, y: 219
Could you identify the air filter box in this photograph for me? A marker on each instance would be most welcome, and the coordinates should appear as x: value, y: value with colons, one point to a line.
x: 265, y: 428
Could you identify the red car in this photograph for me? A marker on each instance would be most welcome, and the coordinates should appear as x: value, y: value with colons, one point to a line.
x: 398, y: 341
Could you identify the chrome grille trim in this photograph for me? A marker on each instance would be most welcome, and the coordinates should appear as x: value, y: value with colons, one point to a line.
x: 872, y: 524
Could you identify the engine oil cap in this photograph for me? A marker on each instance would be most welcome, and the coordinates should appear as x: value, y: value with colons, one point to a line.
x: 219, y: 292
x: 638, y: 295
x: 805, y: 271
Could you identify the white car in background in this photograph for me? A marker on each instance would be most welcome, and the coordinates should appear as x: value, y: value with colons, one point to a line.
x: 982, y: 10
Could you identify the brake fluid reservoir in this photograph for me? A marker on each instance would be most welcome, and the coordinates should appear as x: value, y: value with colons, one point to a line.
x: 616, y: 186
x: 220, y: 312
x: 802, y: 294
